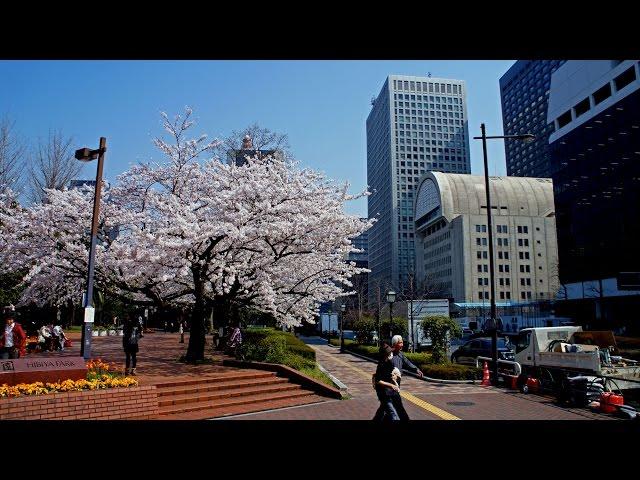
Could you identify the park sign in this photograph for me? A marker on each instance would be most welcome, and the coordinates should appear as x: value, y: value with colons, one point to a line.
x: 42, y: 369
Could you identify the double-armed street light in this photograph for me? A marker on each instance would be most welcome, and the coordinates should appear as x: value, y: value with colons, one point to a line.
x: 87, y: 155
x: 527, y: 138
x: 391, y: 298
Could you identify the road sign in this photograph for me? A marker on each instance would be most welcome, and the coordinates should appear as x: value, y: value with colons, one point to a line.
x: 89, y: 313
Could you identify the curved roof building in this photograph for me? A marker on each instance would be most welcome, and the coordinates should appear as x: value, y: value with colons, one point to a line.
x: 454, y: 195
x: 450, y: 214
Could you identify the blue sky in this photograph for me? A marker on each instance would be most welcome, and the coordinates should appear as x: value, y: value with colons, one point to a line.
x: 321, y: 105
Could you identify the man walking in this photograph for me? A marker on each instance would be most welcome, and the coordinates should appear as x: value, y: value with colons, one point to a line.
x: 400, y: 362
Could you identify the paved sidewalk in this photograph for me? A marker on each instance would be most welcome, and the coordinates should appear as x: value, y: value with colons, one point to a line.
x: 422, y: 400
x: 157, y: 360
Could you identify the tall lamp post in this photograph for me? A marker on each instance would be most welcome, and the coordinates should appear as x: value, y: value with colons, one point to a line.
x: 86, y: 155
x: 343, y: 308
x: 527, y: 137
x: 391, y: 298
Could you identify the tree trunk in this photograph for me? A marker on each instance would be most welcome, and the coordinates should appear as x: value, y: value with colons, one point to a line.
x: 195, y: 350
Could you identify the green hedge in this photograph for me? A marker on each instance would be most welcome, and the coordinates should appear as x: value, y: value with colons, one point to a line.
x: 419, y: 358
x: 451, y: 371
x: 293, y: 344
x: 276, y: 346
x: 424, y: 361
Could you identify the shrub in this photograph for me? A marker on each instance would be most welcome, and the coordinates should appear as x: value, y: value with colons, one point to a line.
x: 419, y: 358
x: 364, y: 328
x: 439, y: 328
x: 275, y: 346
x: 266, y: 349
x: 400, y: 327
x: 451, y: 371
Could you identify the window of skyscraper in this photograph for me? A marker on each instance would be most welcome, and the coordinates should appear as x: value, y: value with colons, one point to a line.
x: 625, y: 78
x: 582, y: 107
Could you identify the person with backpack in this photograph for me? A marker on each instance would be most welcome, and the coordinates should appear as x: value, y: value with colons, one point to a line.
x: 131, y: 333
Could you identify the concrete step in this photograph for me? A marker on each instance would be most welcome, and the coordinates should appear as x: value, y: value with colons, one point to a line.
x: 230, y: 393
x: 233, y: 401
x: 238, y: 409
x: 210, y: 379
x: 219, y: 386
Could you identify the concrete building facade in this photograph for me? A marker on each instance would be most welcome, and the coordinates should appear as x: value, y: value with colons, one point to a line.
x: 416, y: 125
x: 452, y: 251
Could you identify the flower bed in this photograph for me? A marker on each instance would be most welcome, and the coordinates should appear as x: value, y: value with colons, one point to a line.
x: 100, y: 375
x: 105, y: 394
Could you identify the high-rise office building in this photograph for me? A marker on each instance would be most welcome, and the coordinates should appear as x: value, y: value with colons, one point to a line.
x: 524, y: 90
x: 416, y: 125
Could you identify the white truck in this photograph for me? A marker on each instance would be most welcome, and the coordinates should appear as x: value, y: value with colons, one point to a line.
x: 568, y: 350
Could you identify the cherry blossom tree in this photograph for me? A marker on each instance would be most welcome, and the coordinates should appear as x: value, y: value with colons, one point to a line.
x: 266, y: 235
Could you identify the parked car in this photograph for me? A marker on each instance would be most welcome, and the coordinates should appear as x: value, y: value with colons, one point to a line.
x: 481, y: 347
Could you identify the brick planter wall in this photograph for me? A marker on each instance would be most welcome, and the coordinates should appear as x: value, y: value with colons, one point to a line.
x: 107, y: 404
x: 292, y: 374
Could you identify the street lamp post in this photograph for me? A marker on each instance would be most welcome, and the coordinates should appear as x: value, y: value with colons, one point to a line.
x: 343, y: 308
x: 391, y: 298
x: 527, y: 137
x: 86, y: 155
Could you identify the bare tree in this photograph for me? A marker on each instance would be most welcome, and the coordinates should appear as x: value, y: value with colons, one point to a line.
x: 53, y: 165
x: 380, y: 289
x: 413, y: 289
x: 557, y: 288
x: 12, y: 151
x: 261, y: 139
x: 358, y: 299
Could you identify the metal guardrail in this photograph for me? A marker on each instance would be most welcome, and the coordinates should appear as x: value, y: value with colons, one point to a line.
x: 518, y: 367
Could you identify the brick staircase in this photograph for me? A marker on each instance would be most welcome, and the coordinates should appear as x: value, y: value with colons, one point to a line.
x: 229, y: 394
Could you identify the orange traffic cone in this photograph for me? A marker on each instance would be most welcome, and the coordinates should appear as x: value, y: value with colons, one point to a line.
x: 486, y: 381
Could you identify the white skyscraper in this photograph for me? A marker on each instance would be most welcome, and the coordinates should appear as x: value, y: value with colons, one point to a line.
x: 416, y: 125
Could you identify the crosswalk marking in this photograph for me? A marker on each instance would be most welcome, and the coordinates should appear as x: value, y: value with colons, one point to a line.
x: 406, y: 395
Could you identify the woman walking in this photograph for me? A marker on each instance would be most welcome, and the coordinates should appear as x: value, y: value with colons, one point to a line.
x: 131, y: 334
x: 387, y: 388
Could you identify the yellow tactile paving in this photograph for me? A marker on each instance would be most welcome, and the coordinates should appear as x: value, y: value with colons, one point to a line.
x: 406, y: 395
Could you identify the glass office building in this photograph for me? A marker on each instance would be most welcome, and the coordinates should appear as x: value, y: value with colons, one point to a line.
x: 416, y: 125
x: 594, y: 111
x: 524, y: 91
